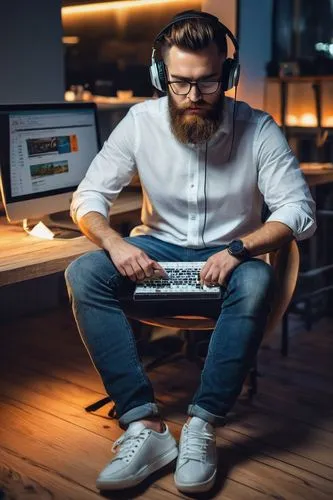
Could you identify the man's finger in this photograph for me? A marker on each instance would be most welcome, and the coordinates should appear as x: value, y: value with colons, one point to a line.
x: 158, y: 269
x: 130, y: 272
x: 203, y: 273
x: 138, y: 271
x: 122, y: 270
x: 147, y: 266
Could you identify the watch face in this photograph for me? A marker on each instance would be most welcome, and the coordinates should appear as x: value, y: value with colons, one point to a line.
x: 236, y: 247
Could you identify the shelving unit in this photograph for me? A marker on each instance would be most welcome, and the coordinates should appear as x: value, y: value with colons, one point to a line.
x: 303, y: 107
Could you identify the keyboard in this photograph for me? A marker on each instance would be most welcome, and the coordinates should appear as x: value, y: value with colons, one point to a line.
x: 183, y: 282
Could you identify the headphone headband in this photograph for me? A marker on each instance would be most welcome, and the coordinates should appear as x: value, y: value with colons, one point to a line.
x: 203, y: 16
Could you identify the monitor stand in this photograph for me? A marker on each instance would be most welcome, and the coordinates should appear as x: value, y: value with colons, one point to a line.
x: 58, y: 226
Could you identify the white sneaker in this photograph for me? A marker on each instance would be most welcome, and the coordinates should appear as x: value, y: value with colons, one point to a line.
x: 140, y: 452
x: 197, y: 459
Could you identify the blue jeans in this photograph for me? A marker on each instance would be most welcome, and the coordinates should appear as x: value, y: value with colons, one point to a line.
x: 98, y: 294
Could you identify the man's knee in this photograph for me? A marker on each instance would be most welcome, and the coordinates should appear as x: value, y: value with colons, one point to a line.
x: 89, y: 270
x: 254, y: 282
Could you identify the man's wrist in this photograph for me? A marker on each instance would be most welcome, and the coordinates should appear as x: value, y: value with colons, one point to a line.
x: 237, y: 249
x: 110, y: 239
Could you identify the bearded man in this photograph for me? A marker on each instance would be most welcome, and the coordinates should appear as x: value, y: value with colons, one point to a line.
x: 207, y: 164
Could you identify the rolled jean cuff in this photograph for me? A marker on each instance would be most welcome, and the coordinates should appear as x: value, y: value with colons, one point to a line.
x: 197, y: 411
x: 138, y: 413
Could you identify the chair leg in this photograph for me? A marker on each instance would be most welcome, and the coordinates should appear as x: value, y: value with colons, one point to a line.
x: 308, y: 315
x: 98, y: 404
x: 285, y: 335
x: 164, y: 359
x: 164, y: 350
x: 253, y: 380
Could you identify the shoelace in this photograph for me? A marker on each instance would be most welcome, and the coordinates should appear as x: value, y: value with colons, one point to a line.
x: 195, y: 444
x: 128, y: 444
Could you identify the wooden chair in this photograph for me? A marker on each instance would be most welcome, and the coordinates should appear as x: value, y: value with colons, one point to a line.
x: 285, y: 262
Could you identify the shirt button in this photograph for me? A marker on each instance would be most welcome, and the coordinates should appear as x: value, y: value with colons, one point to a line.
x: 192, y: 185
x: 193, y: 217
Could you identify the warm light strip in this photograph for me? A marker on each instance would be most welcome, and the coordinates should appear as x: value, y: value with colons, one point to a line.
x: 121, y: 4
x: 70, y: 40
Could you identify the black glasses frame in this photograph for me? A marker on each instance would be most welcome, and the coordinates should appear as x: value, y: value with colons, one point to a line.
x: 194, y: 84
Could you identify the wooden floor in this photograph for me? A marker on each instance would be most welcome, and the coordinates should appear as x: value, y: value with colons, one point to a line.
x: 280, y: 446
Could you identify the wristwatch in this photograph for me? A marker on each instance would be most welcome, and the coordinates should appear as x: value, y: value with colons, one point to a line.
x: 237, y: 249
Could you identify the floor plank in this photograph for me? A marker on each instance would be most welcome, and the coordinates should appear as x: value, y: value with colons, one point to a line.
x: 26, y: 479
x: 278, y: 446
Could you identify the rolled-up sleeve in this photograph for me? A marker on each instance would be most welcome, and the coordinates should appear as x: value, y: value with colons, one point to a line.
x: 281, y: 181
x: 112, y: 169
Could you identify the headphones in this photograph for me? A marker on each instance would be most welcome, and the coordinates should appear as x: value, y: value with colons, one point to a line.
x: 230, y: 67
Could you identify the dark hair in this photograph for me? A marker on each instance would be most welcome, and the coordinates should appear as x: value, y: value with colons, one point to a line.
x: 195, y: 34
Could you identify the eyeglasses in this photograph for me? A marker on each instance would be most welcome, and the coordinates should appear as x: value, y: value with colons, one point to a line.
x: 184, y: 87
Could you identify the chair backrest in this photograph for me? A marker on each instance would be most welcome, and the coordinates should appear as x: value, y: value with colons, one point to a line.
x: 285, y: 262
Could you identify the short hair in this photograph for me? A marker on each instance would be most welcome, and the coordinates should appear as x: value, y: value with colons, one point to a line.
x: 194, y: 34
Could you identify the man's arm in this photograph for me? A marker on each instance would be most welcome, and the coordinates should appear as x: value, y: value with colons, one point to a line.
x: 270, y: 236
x: 286, y: 194
x: 128, y: 259
x: 96, y: 227
x: 281, y: 182
x: 111, y: 169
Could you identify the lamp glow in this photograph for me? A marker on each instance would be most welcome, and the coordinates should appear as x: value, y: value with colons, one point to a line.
x: 292, y: 120
x: 107, y: 6
x: 329, y: 121
x: 308, y: 120
x: 70, y: 40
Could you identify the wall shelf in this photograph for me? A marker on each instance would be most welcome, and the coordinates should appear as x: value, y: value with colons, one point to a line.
x: 300, y: 101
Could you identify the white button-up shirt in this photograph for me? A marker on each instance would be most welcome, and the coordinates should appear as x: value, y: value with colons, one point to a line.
x: 192, y: 202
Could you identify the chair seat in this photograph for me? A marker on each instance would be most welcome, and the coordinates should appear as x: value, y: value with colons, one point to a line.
x: 180, y: 322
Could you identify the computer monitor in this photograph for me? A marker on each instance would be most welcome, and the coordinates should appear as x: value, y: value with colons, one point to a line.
x: 45, y: 151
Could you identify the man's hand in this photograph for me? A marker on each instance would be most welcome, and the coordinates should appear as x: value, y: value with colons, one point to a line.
x: 218, y: 268
x: 128, y: 259
x: 134, y: 262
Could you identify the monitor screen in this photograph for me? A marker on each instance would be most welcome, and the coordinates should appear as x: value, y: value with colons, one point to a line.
x: 45, y: 151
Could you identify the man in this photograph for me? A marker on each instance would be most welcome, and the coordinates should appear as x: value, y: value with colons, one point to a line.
x: 206, y: 164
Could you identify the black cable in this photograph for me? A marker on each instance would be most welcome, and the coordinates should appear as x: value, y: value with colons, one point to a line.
x: 205, y: 195
x: 233, y: 123
x: 206, y: 155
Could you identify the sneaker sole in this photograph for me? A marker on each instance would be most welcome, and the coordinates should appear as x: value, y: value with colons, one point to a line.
x: 162, y: 461
x: 196, y: 487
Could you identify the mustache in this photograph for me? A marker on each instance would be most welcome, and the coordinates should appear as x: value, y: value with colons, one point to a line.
x: 199, y: 105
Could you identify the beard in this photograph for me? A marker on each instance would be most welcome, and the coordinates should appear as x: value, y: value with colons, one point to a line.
x: 195, y: 128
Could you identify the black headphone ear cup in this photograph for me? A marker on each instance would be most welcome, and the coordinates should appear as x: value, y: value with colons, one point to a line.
x: 230, y: 74
x: 160, y: 66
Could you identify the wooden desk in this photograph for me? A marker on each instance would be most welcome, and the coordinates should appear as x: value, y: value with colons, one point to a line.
x: 316, y: 174
x: 23, y: 257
